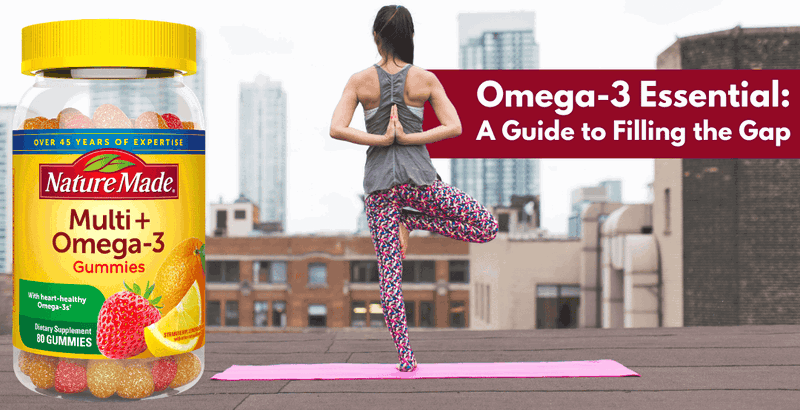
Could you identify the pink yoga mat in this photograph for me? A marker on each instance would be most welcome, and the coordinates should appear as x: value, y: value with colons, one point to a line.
x: 355, y: 371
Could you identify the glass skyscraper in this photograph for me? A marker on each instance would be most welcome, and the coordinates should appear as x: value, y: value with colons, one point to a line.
x: 497, y: 41
x: 262, y: 147
x: 6, y: 126
x: 500, y: 50
x: 606, y: 191
x: 197, y: 82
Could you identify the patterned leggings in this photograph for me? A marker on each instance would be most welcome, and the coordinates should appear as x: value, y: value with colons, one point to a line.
x: 445, y: 210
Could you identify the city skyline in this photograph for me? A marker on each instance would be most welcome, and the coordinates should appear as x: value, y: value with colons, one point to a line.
x: 622, y: 34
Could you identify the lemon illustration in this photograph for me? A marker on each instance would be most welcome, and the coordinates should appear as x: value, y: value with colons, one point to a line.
x: 178, y: 331
x: 180, y: 269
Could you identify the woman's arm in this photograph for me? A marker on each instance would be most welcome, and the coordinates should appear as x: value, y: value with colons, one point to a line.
x: 445, y: 112
x: 343, y: 114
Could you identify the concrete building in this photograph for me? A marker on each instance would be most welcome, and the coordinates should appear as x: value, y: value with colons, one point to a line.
x: 240, y: 219
x: 523, y: 279
x: 609, y: 277
x: 668, y: 226
x: 520, y: 283
x: 738, y: 233
x: 6, y: 128
x: 497, y: 41
x: 605, y: 278
x: 729, y: 226
x: 330, y: 281
x: 718, y: 246
x: 262, y: 147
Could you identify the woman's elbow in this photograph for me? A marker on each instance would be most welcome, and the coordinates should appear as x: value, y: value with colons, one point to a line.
x: 456, y: 130
x: 336, y: 132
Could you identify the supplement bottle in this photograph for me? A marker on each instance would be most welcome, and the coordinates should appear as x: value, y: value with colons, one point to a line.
x: 108, y: 174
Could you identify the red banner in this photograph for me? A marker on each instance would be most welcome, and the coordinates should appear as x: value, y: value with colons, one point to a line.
x: 621, y: 114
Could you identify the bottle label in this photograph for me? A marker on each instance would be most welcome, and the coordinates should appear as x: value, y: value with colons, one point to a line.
x: 109, y: 254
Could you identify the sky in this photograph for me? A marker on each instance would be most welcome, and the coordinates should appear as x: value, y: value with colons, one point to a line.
x: 313, y: 47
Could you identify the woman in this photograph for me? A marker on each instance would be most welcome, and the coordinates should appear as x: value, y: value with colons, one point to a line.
x: 398, y: 173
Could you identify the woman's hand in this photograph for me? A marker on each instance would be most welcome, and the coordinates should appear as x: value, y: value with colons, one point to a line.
x: 391, y: 129
x: 394, y: 122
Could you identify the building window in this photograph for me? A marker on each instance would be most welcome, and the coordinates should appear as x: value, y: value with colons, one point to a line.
x: 426, y: 314
x: 411, y: 313
x: 364, y: 272
x: 376, y: 315
x: 232, y: 313
x: 459, y: 271
x: 222, y: 271
x: 317, y: 274
x: 503, y: 220
x: 279, y: 313
x: 358, y: 314
x: 222, y: 219
x: 488, y: 305
x: 479, y: 303
x: 557, y: 306
x: 317, y: 316
x: 419, y: 271
x: 238, y: 214
x: 260, y: 308
x: 269, y: 272
x: 667, y: 211
x: 212, y: 313
x: 458, y: 314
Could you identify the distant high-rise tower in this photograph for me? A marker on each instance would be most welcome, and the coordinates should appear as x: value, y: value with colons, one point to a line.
x: 6, y: 126
x: 606, y: 191
x: 613, y: 190
x: 262, y: 147
x: 197, y: 82
x: 497, y: 41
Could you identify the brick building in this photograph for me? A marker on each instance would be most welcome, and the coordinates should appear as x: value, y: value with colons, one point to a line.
x: 330, y: 281
x: 740, y: 217
x: 765, y: 48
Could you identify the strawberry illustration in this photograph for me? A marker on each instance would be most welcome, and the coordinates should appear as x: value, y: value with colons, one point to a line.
x: 122, y: 319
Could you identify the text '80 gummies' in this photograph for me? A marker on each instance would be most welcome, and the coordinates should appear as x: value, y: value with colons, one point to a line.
x: 109, y: 216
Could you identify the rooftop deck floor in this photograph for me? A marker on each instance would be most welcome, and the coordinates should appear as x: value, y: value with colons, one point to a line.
x: 746, y: 367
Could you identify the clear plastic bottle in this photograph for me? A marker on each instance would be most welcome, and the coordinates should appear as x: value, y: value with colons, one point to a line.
x: 109, y: 216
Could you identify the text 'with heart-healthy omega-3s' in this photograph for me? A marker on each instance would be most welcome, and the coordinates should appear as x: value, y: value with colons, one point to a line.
x: 109, y: 217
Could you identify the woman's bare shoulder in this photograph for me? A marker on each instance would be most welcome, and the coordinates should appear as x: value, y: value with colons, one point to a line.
x: 366, y: 86
x: 423, y: 76
x: 364, y: 76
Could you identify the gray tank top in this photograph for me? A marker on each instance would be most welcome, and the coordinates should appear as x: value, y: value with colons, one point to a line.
x: 395, y: 164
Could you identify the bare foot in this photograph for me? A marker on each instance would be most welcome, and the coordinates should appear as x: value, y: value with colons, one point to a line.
x: 403, y: 239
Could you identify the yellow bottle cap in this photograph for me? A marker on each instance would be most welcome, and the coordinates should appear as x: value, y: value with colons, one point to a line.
x: 109, y: 43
